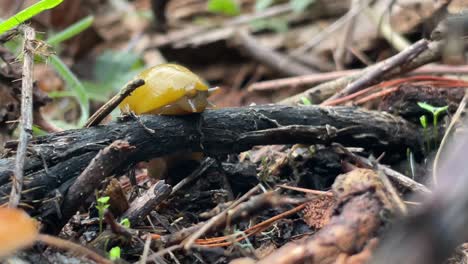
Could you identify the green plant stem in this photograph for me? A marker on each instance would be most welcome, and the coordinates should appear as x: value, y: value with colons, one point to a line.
x: 427, y: 141
x: 75, y: 85
x: 71, y: 31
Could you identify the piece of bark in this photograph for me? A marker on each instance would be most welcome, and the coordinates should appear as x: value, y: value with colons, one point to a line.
x: 118, y: 201
x: 360, y: 199
x: 147, y: 202
x: 100, y: 167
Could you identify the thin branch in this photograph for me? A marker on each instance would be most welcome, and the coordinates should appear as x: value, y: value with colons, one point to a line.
x: 214, y: 220
x: 316, y: 78
x: 378, y: 73
x: 25, y: 126
x: 70, y: 246
x: 456, y: 118
x: 271, y: 58
x: 320, y: 92
x: 108, y: 107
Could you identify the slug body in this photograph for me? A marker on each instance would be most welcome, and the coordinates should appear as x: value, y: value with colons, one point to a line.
x: 169, y: 89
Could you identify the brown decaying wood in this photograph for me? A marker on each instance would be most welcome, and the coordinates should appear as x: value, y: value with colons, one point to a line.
x: 99, y: 168
x: 439, y: 226
x: 360, y: 199
x: 147, y: 202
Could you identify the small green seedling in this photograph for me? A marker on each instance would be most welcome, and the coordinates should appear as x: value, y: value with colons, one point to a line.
x: 423, y: 121
x: 102, y: 205
x: 305, y: 101
x: 114, y: 253
x: 125, y: 222
x: 435, y: 111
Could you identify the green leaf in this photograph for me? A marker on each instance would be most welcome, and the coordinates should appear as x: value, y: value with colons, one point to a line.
x: 125, y: 222
x: 112, y: 71
x: 423, y: 121
x: 37, y: 131
x: 433, y: 109
x: 261, y: 5
x: 226, y: 7
x: 300, y: 5
x: 103, y: 200
x: 28, y: 13
x: 305, y: 101
x: 427, y: 107
x: 75, y: 85
x: 114, y: 253
x: 439, y: 110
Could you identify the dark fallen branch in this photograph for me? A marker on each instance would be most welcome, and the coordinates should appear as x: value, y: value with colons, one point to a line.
x: 55, y: 160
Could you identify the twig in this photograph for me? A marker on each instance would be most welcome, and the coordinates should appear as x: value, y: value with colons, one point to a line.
x: 25, y: 126
x: 456, y: 117
x: 394, y: 175
x: 315, y: 78
x: 327, y: 32
x: 107, y: 108
x: 299, y: 80
x: 191, y: 239
x: 163, y: 252
x: 378, y: 73
x: 341, y: 51
x: 142, y: 206
x: 215, y: 241
x: 275, y: 60
x: 146, y: 248
x: 205, y: 164
x: 393, y: 37
x: 320, y: 92
x: 70, y: 246
x: 304, y: 190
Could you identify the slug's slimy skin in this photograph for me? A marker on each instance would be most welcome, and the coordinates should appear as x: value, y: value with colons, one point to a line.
x: 169, y: 89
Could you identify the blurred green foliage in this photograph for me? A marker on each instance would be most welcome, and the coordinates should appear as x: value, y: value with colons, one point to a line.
x: 277, y: 24
x: 113, y: 69
x: 225, y: 7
